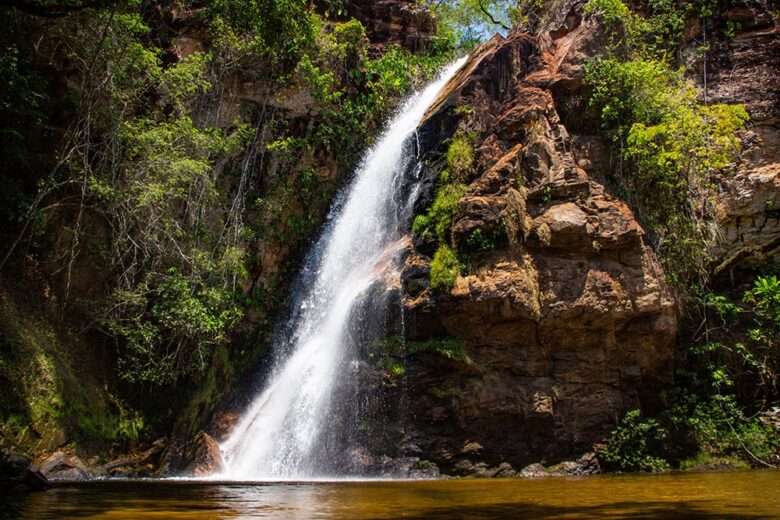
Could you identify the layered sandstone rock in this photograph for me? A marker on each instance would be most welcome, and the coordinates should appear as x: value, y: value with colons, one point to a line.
x: 568, y: 321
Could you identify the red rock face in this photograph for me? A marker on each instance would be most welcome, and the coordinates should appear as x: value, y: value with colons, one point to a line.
x: 568, y: 322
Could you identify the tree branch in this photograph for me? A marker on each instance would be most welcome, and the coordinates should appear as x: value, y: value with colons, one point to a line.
x: 490, y: 16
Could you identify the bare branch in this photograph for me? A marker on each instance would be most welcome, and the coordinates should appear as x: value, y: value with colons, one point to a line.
x: 491, y: 17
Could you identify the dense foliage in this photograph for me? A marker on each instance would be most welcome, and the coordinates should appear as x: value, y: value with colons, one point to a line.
x: 154, y: 180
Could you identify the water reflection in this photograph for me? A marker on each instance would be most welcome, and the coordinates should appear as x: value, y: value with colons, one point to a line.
x: 744, y: 495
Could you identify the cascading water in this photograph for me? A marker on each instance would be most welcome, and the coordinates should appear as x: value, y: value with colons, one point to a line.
x: 278, y: 434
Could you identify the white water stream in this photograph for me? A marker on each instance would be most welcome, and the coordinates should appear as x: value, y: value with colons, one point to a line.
x: 276, y: 437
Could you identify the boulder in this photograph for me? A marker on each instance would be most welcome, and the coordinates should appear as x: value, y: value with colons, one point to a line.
x: 203, y: 456
x: 64, y: 466
x: 563, y: 226
x: 535, y: 470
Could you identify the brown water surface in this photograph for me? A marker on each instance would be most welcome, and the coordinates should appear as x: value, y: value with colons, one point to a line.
x: 736, y: 495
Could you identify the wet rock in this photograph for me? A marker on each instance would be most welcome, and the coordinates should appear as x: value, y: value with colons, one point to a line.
x: 135, y: 465
x: 359, y: 461
x: 467, y: 468
x: 424, y: 469
x: 587, y: 464
x: 504, y: 470
x: 404, y: 467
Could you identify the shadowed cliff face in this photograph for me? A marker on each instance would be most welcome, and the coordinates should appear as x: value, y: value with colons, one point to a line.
x: 567, y: 321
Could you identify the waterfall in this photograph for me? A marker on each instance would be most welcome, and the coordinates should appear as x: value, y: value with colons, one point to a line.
x: 277, y: 436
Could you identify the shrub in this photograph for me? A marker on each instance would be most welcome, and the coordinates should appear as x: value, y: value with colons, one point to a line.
x: 279, y: 31
x: 479, y: 241
x: 741, y: 348
x: 715, y: 426
x: 671, y: 145
x: 636, y: 445
x: 445, y: 268
x: 169, y: 325
x: 460, y: 156
x: 437, y: 221
x: 655, y: 36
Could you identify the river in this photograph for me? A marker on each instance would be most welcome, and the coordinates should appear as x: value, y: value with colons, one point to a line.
x: 732, y: 495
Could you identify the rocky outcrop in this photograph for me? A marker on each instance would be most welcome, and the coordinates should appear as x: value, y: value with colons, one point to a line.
x: 64, y: 466
x: 567, y: 321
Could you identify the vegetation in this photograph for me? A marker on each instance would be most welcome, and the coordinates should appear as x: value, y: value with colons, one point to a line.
x: 633, y: 444
x: 434, y: 225
x: 734, y: 360
x: 738, y: 342
x: 668, y: 143
x: 460, y: 156
x: 694, y: 430
x: 445, y: 268
x: 449, y: 348
x: 170, y: 180
x: 437, y: 221
x: 166, y: 200
x: 139, y: 174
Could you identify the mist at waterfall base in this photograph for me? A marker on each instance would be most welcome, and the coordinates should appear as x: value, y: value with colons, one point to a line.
x: 309, y: 413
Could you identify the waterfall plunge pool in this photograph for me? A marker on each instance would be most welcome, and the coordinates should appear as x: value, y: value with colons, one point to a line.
x: 733, y: 495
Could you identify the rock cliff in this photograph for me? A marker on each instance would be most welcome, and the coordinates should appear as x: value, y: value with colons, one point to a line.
x: 743, y: 69
x: 568, y: 321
